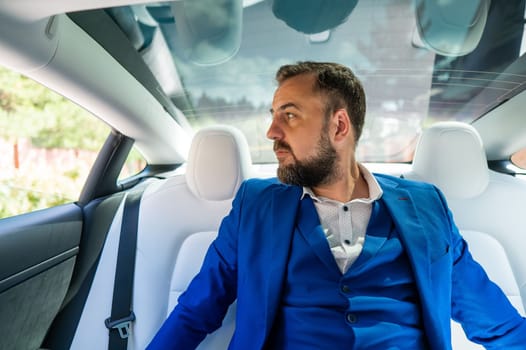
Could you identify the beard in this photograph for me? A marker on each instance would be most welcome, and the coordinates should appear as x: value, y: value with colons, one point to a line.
x: 319, y: 169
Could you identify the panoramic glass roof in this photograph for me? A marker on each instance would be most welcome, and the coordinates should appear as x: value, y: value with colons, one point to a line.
x: 419, y: 61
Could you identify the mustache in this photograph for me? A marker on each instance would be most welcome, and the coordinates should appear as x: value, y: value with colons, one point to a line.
x: 281, y: 145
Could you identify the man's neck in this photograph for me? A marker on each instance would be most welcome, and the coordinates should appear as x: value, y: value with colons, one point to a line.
x: 346, y: 188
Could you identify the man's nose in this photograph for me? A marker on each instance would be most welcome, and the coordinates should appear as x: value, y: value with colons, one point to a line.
x: 274, y: 132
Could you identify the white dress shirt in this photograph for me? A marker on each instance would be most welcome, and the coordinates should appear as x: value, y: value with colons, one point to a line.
x: 345, y: 224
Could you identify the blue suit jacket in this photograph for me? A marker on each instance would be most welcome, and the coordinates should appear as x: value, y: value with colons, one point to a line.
x: 248, y: 261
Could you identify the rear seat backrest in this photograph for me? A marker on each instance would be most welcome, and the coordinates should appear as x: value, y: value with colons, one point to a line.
x: 179, y: 218
x: 487, y: 206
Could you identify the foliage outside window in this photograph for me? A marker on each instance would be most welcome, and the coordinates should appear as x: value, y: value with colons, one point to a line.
x: 47, y: 143
x: 134, y: 164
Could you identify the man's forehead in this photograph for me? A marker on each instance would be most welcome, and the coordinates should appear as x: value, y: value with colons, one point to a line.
x: 288, y: 98
x: 294, y: 89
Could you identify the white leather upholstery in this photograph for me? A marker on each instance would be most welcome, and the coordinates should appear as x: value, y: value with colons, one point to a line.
x: 487, y: 206
x: 218, y: 162
x: 451, y: 156
x: 179, y: 217
x: 187, y: 265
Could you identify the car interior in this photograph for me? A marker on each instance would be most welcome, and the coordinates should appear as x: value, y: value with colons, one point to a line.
x: 188, y: 83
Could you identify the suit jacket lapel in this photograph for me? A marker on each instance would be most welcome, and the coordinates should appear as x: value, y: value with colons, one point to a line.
x: 414, y: 238
x: 284, y: 207
x: 309, y: 226
x: 420, y: 245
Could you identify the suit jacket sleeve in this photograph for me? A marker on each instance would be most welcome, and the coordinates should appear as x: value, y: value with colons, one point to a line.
x: 484, y: 311
x: 202, y: 307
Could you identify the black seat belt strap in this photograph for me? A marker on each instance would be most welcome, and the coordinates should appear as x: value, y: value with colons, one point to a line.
x: 122, y: 315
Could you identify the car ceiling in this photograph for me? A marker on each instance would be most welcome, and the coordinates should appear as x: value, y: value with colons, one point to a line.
x: 55, y: 52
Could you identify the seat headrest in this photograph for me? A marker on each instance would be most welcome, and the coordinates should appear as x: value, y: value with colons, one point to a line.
x: 218, y: 161
x: 451, y: 156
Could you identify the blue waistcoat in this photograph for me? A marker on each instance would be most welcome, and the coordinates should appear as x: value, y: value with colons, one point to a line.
x: 374, y: 305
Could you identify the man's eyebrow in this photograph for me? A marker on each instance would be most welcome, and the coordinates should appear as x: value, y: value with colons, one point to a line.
x: 284, y: 106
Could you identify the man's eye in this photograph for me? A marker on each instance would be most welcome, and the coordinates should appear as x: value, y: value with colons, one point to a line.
x: 290, y: 115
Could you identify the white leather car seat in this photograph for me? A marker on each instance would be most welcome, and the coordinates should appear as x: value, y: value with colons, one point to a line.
x: 178, y: 219
x: 488, y: 207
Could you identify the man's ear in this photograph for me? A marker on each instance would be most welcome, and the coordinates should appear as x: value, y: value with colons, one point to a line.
x: 343, y: 124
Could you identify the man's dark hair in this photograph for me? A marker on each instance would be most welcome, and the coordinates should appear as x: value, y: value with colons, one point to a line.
x: 338, y: 82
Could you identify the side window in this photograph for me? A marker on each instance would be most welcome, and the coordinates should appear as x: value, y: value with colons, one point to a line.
x: 134, y: 164
x: 47, y: 146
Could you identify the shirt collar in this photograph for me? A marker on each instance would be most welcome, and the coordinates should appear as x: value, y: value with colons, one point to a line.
x: 375, y: 191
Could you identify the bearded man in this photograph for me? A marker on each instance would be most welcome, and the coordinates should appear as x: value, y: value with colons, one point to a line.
x: 332, y: 256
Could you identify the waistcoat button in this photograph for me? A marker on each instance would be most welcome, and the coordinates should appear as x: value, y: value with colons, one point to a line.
x: 351, y: 318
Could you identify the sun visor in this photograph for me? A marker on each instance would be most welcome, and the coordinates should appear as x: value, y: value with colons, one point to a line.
x: 451, y: 28
x: 208, y: 31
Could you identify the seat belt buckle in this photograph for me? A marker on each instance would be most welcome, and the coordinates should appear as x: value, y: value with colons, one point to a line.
x: 123, y: 325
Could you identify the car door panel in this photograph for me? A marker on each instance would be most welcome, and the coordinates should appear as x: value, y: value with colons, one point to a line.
x: 37, y: 257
